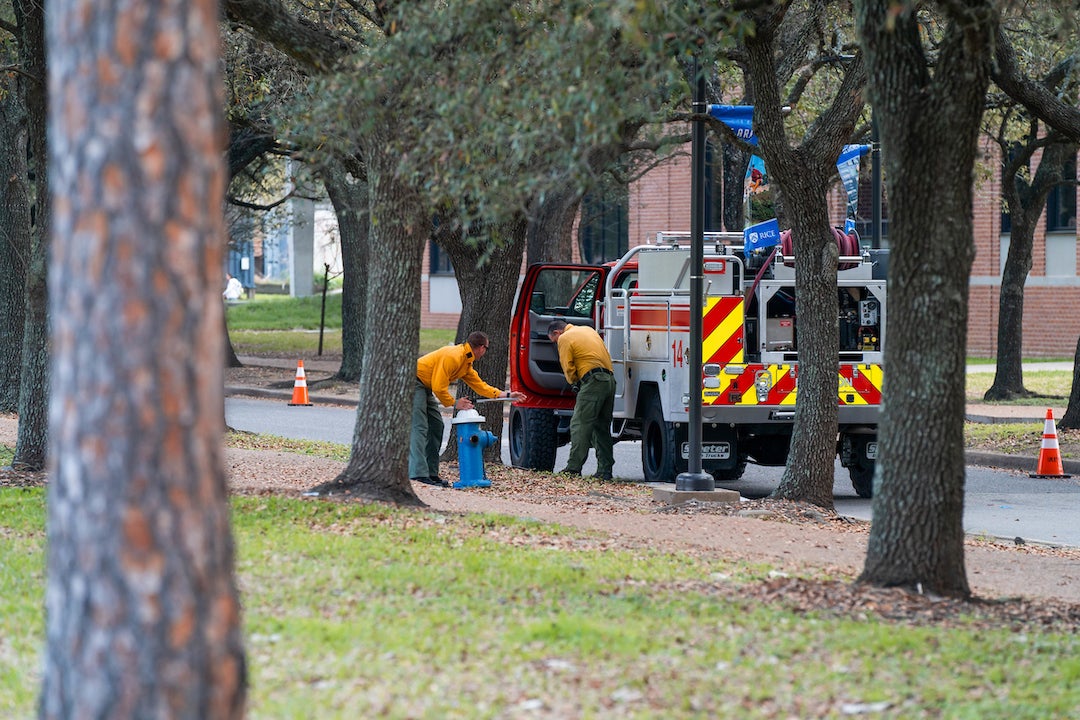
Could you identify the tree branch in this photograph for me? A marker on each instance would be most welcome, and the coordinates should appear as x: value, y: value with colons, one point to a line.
x: 314, y: 47
x: 1034, y: 96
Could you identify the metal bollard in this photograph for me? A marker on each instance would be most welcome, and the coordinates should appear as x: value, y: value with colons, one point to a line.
x: 472, y: 441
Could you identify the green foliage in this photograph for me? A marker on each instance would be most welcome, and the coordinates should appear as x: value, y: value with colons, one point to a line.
x: 368, y: 611
x: 501, y: 103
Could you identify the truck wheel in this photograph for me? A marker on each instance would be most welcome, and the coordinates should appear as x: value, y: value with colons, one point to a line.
x: 657, y: 445
x: 853, y: 456
x: 728, y: 474
x: 533, y: 438
x: 862, y: 479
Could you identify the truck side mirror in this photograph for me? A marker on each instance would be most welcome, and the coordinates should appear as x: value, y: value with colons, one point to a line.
x: 538, y: 303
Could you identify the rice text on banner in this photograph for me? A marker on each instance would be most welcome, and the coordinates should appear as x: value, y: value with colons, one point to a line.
x: 762, y: 235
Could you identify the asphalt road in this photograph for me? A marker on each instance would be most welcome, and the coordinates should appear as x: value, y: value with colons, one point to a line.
x: 998, y: 503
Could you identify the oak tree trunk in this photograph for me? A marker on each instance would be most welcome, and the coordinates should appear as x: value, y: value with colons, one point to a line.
x: 550, y: 231
x: 32, y: 441
x: 14, y: 237
x: 928, y: 122
x: 349, y: 198
x: 1026, y: 201
x: 400, y: 226
x: 804, y: 174
x: 1009, y: 375
x: 487, y: 298
x: 1071, y: 419
x: 143, y: 614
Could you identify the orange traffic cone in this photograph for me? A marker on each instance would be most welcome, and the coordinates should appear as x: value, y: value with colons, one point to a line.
x: 299, y: 391
x: 1049, y: 458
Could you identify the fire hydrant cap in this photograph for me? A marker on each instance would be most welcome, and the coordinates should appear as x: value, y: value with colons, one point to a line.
x: 468, y: 416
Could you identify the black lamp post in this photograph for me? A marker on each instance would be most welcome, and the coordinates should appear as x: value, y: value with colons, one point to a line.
x: 695, y: 479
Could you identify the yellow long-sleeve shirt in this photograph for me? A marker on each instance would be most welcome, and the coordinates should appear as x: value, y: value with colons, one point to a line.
x: 581, y: 349
x: 439, y: 368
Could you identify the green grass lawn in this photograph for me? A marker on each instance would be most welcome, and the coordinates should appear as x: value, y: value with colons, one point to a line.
x: 281, y: 312
x: 361, y: 612
x: 1052, y: 384
x: 283, y: 325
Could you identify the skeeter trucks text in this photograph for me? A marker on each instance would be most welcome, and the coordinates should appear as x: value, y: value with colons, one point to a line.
x: 641, y: 305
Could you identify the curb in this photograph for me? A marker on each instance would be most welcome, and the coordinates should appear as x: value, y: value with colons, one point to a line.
x: 1014, y: 462
x: 286, y: 395
x: 997, y: 420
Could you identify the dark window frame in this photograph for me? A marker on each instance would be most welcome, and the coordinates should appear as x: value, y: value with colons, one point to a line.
x: 438, y: 261
x: 1061, y: 202
x: 604, y: 229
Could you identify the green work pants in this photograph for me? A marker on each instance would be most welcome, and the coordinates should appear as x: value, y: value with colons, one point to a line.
x: 591, y: 424
x: 427, y: 431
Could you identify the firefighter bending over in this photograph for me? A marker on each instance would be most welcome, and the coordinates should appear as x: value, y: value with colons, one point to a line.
x: 434, y: 374
x: 586, y: 364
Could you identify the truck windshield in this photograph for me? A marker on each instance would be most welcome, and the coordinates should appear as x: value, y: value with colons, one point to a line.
x: 565, y: 291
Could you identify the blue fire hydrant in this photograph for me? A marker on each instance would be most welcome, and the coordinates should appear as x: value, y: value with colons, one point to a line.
x: 472, y: 441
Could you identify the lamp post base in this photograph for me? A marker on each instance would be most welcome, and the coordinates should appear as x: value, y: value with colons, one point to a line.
x: 694, y: 482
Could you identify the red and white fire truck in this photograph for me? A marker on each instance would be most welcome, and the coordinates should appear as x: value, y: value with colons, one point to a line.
x: 750, y: 354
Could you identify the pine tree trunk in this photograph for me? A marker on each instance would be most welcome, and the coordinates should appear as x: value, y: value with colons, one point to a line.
x: 929, y: 129
x: 400, y: 225
x: 349, y: 198
x: 14, y: 238
x: 143, y: 614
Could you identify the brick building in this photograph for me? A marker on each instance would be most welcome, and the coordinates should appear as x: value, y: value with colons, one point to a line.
x: 661, y: 201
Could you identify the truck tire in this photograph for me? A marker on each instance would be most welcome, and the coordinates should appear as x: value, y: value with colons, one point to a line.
x: 533, y: 438
x: 862, y: 479
x: 860, y: 468
x: 728, y: 474
x: 658, y: 452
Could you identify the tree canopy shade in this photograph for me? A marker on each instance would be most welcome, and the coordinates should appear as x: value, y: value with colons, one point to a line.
x: 143, y: 614
x: 497, y: 106
x: 929, y: 99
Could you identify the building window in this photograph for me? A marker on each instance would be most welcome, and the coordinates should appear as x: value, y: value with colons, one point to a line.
x: 864, y: 219
x: 1061, y: 202
x: 439, y: 261
x: 603, y: 232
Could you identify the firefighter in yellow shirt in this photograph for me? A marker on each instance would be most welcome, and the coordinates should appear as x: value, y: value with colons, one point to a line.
x: 435, y: 372
x: 586, y: 364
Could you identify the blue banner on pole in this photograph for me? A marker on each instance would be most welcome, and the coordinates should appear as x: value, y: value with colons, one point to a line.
x: 740, y: 118
x: 848, y: 167
x: 763, y: 235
